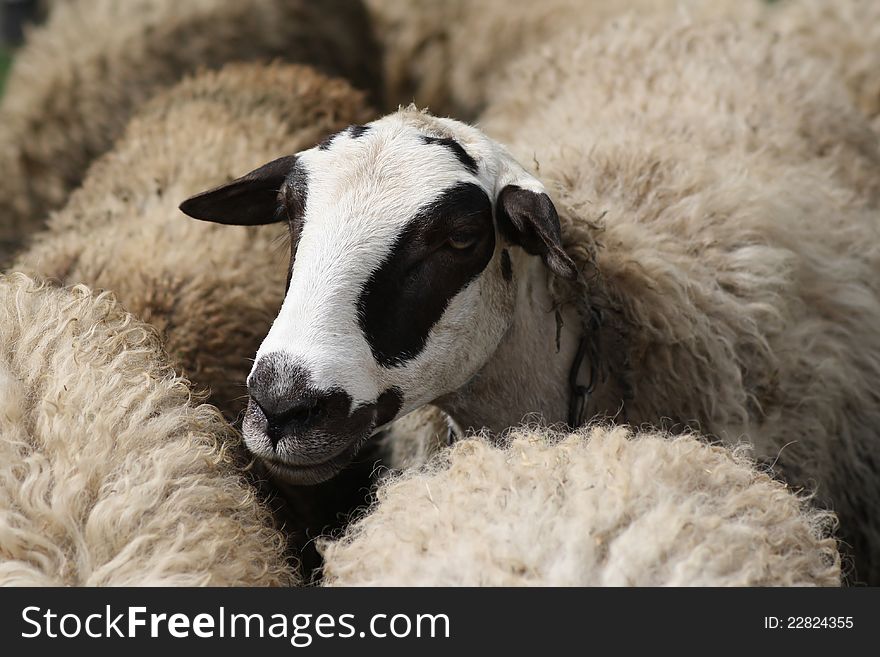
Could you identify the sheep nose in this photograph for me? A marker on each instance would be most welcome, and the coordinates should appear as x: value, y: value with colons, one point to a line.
x: 280, y: 390
x: 284, y: 416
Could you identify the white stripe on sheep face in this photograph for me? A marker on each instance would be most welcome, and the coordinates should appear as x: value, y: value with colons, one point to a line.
x: 402, y: 284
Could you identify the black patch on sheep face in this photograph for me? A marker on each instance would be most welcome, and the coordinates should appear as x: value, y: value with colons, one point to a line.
x: 306, y: 435
x: 457, y: 149
x: 506, y: 267
x: 388, y: 406
x: 353, y: 131
x: 357, y: 131
x: 295, y: 192
x: 293, y: 197
x: 444, y: 247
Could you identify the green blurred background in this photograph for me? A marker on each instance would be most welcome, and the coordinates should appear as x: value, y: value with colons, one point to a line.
x: 5, y: 61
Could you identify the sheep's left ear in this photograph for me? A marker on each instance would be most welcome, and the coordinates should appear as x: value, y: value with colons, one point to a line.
x: 529, y: 219
x: 247, y: 201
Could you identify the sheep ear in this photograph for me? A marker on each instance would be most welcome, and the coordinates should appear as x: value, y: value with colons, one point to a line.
x: 247, y: 201
x: 529, y: 219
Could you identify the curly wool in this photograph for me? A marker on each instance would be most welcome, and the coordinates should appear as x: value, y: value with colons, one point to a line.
x: 68, y: 98
x: 846, y: 34
x: 211, y: 290
x: 601, y: 507
x: 111, y: 474
x: 447, y: 56
x: 443, y: 54
x: 731, y: 87
x: 716, y: 188
x: 412, y: 440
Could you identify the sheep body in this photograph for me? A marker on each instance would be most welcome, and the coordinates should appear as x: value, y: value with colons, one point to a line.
x: 443, y: 55
x: 68, y: 97
x: 448, y: 56
x: 111, y: 474
x: 599, y: 507
x: 727, y: 231
x: 732, y: 86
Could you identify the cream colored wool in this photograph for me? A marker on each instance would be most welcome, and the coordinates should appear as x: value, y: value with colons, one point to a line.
x: 602, y: 507
x: 448, y: 55
x: 441, y: 54
x: 111, y: 474
x: 211, y: 290
x: 412, y: 440
x: 81, y: 76
x: 846, y: 33
x: 729, y: 86
x: 714, y: 191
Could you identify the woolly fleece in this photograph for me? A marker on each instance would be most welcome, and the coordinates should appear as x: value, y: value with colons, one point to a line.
x: 442, y: 55
x: 112, y: 475
x: 715, y: 187
x: 602, y: 507
x: 81, y: 76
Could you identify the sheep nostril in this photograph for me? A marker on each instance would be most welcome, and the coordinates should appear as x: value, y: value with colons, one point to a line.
x: 302, y: 413
x: 299, y: 415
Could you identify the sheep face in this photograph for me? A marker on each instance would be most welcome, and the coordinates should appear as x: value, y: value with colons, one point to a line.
x: 401, y: 282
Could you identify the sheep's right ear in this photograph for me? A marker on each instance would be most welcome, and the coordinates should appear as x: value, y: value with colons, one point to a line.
x: 528, y: 218
x: 247, y: 201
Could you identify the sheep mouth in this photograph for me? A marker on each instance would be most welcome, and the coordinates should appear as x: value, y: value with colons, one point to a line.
x: 312, y: 473
x: 311, y: 451
x: 306, y: 452
x: 303, y: 475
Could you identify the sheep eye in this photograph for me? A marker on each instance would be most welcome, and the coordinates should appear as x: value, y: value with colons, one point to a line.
x: 461, y: 242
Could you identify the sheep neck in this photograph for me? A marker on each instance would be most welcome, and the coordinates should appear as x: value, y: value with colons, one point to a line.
x: 527, y: 378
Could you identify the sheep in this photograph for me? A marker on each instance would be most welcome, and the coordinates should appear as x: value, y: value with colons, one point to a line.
x: 743, y: 273
x: 786, y: 309
x: 702, y: 263
x: 68, y: 97
x: 443, y: 55
x: 455, y: 56
x: 600, y: 507
x: 447, y: 55
x: 112, y: 474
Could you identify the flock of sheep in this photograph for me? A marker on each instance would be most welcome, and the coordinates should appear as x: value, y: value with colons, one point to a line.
x: 716, y: 171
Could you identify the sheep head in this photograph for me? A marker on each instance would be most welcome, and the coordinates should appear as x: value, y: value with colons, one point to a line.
x: 406, y: 238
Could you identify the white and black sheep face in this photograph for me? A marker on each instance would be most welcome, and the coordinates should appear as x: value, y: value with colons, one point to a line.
x: 401, y: 283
